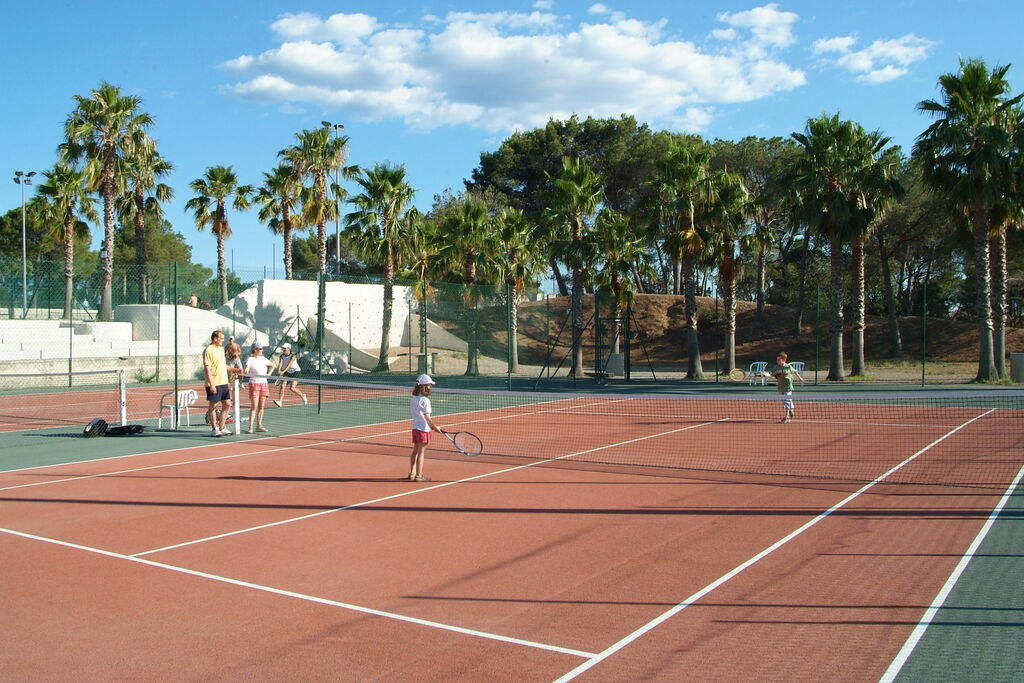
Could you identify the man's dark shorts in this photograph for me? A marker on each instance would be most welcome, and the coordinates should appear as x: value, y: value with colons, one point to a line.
x: 220, y: 393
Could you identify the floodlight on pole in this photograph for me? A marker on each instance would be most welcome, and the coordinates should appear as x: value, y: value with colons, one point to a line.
x: 23, y: 179
x: 337, y: 128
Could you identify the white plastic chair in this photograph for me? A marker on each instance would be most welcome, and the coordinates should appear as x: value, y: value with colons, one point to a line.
x: 186, y: 398
x: 799, y: 367
x: 756, y: 372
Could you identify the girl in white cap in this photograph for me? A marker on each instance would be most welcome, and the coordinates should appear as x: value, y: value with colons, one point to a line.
x: 288, y: 368
x: 257, y: 367
x: 422, y: 425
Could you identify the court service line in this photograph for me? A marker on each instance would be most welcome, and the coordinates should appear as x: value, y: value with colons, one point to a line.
x: 302, y: 596
x: 940, y: 599
x: 665, y: 616
x: 382, y: 499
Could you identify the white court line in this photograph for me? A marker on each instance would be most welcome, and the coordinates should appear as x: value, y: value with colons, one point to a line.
x: 908, y: 647
x: 665, y: 616
x: 308, y: 598
x: 413, y: 492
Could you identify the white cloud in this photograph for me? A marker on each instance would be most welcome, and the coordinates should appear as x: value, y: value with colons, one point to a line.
x: 770, y: 26
x: 505, y: 70
x: 880, y: 62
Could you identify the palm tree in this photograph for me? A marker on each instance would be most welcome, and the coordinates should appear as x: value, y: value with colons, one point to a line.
x: 68, y: 196
x: 727, y: 216
x: 209, y: 208
x: 467, y: 236
x: 827, y: 178
x: 682, y: 185
x: 316, y: 155
x: 516, y: 256
x: 143, y: 169
x: 622, y: 256
x: 877, y: 188
x: 376, y: 228
x: 575, y: 196
x: 965, y: 155
x: 423, y: 248
x: 280, y: 207
x: 98, y: 132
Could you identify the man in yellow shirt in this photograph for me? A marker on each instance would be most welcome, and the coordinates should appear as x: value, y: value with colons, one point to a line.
x: 215, y: 368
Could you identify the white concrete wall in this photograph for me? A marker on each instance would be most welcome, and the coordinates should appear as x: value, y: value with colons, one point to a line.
x: 268, y: 311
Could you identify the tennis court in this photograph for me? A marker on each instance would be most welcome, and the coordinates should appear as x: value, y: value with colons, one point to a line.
x: 599, y: 537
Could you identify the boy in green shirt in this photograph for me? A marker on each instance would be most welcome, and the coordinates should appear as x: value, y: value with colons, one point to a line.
x: 784, y: 373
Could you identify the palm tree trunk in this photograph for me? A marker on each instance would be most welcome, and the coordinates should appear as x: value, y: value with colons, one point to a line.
x: 835, y: 370
x: 472, y: 357
x: 999, y: 276
x: 69, y: 263
x: 286, y: 232
x: 513, y: 332
x: 385, y: 327
x: 556, y: 273
x: 694, y: 369
x: 729, y: 303
x: 857, y: 287
x: 321, y: 222
x: 106, y: 312
x: 222, y: 273
x: 577, y: 321
x: 762, y: 259
x: 801, y: 303
x: 140, y: 241
x: 986, y: 363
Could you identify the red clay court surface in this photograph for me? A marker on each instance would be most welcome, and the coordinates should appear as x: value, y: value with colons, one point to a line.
x: 309, y: 558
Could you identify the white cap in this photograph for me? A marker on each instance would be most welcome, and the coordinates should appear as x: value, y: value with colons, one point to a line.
x: 424, y: 379
x: 286, y: 345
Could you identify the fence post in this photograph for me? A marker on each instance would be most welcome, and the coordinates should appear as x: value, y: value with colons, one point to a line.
x: 924, y: 329
x: 174, y: 297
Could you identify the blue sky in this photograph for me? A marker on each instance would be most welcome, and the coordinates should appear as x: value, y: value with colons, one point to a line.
x: 433, y: 84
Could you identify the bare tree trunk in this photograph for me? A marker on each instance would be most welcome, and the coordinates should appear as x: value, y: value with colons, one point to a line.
x: 986, y: 364
x: 835, y: 370
x: 857, y: 289
x: 895, y: 339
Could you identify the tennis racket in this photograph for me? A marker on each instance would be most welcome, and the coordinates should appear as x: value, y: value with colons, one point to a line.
x: 466, y: 443
x: 737, y: 375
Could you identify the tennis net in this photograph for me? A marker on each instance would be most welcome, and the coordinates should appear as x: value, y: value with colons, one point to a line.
x: 40, y: 400
x: 957, y: 438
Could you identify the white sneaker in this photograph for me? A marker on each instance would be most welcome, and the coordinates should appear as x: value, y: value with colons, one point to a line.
x: 261, y: 428
x: 305, y: 401
x: 216, y: 432
x: 249, y: 430
x: 277, y: 403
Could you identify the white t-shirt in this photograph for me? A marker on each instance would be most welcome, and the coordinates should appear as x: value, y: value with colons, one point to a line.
x: 420, y: 409
x: 294, y: 367
x: 258, y: 367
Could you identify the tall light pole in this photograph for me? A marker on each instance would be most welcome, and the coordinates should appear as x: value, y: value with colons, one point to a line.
x: 23, y: 179
x: 337, y: 128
